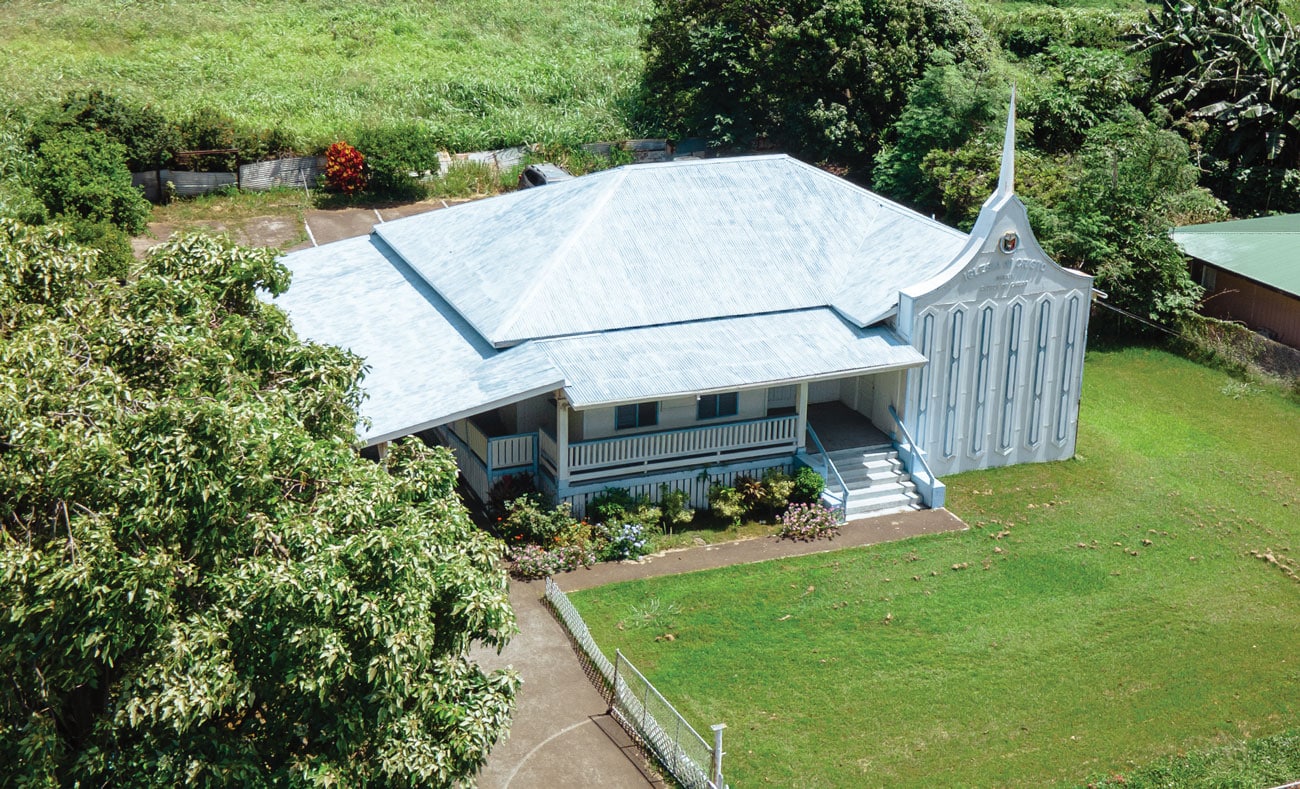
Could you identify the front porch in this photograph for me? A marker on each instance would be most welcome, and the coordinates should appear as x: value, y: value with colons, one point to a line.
x: 485, y: 459
x: 826, y: 425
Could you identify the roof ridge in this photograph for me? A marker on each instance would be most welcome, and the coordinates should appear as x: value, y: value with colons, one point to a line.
x: 617, y: 178
x: 540, y: 341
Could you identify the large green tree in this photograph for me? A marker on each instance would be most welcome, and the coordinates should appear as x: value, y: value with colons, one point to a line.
x: 822, y: 78
x: 201, y: 581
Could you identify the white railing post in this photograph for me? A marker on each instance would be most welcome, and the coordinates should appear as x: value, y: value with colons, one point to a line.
x: 717, y: 755
x: 801, y: 408
x: 561, y: 444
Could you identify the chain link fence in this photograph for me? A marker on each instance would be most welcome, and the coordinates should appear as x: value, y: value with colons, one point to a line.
x: 641, y: 709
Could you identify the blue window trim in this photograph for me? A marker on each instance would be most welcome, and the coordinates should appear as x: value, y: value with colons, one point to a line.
x: 635, y: 415
x: 717, y: 406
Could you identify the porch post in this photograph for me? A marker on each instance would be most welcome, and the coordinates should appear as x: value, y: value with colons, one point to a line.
x: 561, y: 443
x: 801, y: 408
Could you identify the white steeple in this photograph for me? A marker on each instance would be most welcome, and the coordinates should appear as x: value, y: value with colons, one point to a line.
x: 1007, y: 176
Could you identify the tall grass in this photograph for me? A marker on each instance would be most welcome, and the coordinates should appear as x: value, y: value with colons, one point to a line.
x: 1135, y: 603
x: 481, y: 73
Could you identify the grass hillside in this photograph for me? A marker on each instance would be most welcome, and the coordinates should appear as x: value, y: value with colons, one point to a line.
x: 1105, y: 613
x: 482, y: 72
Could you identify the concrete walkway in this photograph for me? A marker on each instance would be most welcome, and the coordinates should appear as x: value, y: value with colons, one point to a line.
x: 560, y: 735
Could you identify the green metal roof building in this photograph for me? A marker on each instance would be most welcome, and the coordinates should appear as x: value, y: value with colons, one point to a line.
x: 1251, y: 272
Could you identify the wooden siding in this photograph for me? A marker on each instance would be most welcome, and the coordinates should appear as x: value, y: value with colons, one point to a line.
x: 674, y: 413
x: 1235, y: 298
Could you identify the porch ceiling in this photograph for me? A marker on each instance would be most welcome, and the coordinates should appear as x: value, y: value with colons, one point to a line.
x: 722, y: 355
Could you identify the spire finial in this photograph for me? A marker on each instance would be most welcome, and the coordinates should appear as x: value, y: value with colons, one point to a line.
x: 1007, y: 177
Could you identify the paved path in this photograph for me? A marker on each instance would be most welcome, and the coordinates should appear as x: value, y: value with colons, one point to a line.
x: 560, y: 735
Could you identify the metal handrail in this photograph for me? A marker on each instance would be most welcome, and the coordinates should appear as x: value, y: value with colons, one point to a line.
x: 915, y: 450
x: 830, y: 467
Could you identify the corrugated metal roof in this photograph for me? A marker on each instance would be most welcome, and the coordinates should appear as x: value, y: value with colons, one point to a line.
x: 426, y: 365
x: 1266, y: 249
x: 644, y: 245
x: 632, y: 284
x: 721, y: 355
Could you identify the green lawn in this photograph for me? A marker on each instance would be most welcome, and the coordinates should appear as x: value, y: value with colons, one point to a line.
x: 1101, y: 614
x: 485, y: 72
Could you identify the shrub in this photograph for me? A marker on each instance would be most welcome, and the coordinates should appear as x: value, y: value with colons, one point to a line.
x: 209, y: 129
x: 676, y: 507
x: 256, y: 145
x: 345, y: 168
x: 393, y: 153
x: 616, y: 506
x: 750, y: 490
x: 532, y: 561
x: 611, y: 504
x: 149, y: 137
x: 727, y: 503
x: 808, y: 486
x: 81, y: 174
x: 114, y: 246
x: 808, y: 522
x: 629, y: 541
x: 506, y: 490
x: 777, y: 487
x: 528, y: 521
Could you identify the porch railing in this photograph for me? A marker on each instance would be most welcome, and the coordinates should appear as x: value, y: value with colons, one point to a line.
x: 512, y: 451
x: 483, y: 459
x: 548, y: 450
x: 932, y: 491
x: 832, y: 477
x: 647, y: 452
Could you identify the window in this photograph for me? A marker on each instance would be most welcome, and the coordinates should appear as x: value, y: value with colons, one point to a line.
x: 717, y: 405
x: 627, y: 417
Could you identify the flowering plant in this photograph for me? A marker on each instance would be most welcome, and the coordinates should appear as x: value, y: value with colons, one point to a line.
x: 627, y: 542
x: 808, y: 522
x: 532, y: 561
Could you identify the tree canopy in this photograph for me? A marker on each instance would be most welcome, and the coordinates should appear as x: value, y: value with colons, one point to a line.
x: 822, y: 78
x: 202, y: 581
x: 1234, y: 67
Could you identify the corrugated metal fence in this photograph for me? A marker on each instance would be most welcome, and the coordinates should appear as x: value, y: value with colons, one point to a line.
x: 642, y: 710
x: 299, y: 172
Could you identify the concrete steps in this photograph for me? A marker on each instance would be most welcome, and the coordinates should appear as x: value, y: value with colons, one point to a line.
x: 876, y: 482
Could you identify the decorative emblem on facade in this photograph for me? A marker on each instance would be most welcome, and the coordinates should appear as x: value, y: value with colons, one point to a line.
x: 1009, y: 242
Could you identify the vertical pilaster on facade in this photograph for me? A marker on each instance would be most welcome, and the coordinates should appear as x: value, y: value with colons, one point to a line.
x: 561, y: 440
x: 801, y: 408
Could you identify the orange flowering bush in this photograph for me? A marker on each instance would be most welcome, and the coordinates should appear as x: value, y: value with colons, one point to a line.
x: 345, y: 168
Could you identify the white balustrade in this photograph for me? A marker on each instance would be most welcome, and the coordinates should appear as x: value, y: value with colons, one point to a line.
x: 731, y: 441
x: 512, y: 451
